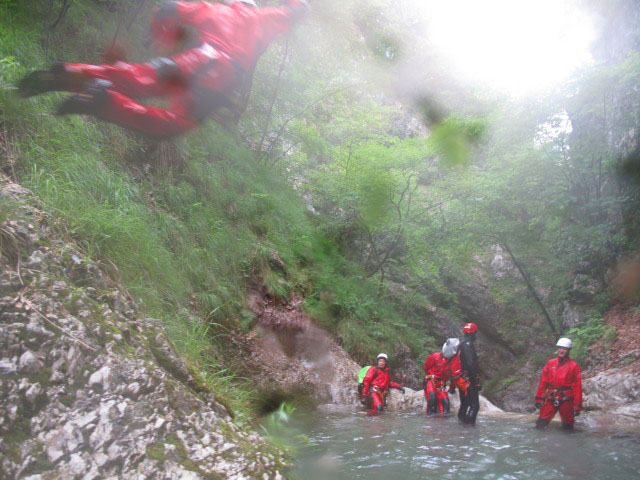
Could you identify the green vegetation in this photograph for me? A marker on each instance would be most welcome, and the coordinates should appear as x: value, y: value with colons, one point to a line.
x: 189, y: 236
x: 156, y: 451
x: 586, y: 335
x: 327, y: 190
x: 280, y: 428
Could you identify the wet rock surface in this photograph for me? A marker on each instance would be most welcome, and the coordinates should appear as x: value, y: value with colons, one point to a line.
x: 291, y: 356
x: 414, y: 400
x: 616, y: 392
x: 90, y: 388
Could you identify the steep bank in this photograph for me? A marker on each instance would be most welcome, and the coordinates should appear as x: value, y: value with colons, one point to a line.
x: 90, y: 388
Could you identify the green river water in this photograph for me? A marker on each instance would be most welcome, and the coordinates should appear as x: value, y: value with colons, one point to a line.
x: 395, y: 446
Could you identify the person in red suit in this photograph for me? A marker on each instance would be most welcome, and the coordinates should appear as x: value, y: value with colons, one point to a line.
x: 439, y: 368
x: 560, y: 388
x: 376, y: 385
x: 200, y: 80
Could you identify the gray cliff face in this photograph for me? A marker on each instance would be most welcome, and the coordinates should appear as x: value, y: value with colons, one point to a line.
x: 91, y: 389
x: 618, y: 25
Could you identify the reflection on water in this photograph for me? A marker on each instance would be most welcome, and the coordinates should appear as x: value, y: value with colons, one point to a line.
x: 349, y: 445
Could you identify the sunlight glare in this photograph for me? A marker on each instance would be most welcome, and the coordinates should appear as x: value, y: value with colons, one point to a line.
x: 513, y: 45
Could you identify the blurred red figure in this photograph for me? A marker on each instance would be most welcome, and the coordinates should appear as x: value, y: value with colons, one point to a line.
x: 231, y: 37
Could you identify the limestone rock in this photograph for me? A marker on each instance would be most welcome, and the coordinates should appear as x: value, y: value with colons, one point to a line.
x: 501, y: 266
x: 613, y: 390
x: 570, y: 318
x: 300, y: 360
x: 29, y: 363
x: 585, y: 288
x: 7, y: 367
x: 414, y: 400
x: 101, y: 378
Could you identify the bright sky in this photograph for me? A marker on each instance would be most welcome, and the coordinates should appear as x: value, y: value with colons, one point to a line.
x: 517, y: 46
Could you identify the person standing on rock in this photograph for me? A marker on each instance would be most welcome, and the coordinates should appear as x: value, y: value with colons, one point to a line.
x: 439, y: 368
x: 469, y: 399
x: 376, y: 385
x: 199, y: 80
x: 560, y: 388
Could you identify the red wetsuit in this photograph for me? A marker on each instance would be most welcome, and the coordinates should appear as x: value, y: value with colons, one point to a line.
x: 561, y: 390
x: 377, y: 386
x: 438, y: 370
x: 199, y: 80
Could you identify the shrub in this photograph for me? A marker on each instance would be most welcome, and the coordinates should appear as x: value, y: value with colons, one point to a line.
x: 586, y: 335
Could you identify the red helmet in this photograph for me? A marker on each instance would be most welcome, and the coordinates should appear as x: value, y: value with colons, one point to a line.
x: 470, y: 328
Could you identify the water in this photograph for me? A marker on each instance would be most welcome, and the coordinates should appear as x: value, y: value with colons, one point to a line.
x: 349, y: 445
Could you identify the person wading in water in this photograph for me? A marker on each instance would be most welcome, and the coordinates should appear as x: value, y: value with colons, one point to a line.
x: 560, y: 388
x: 376, y: 385
x: 439, y: 368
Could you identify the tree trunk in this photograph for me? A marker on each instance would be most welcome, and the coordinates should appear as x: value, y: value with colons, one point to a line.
x: 63, y: 11
x: 530, y: 286
x: 275, y: 97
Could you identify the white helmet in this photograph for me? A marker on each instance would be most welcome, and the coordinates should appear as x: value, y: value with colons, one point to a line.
x: 564, y: 342
x: 450, y: 347
x: 382, y: 355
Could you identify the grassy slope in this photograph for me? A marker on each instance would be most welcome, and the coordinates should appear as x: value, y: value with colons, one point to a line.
x: 188, y: 235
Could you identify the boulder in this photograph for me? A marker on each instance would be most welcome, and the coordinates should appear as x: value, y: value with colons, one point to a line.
x: 29, y: 363
x: 414, y: 400
x: 613, y: 391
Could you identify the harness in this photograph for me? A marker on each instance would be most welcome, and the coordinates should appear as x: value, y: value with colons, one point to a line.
x: 379, y: 391
x: 438, y: 383
x: 557, y: 395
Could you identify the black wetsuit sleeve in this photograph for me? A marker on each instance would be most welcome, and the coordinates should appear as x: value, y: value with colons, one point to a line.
x: 469, y: 359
